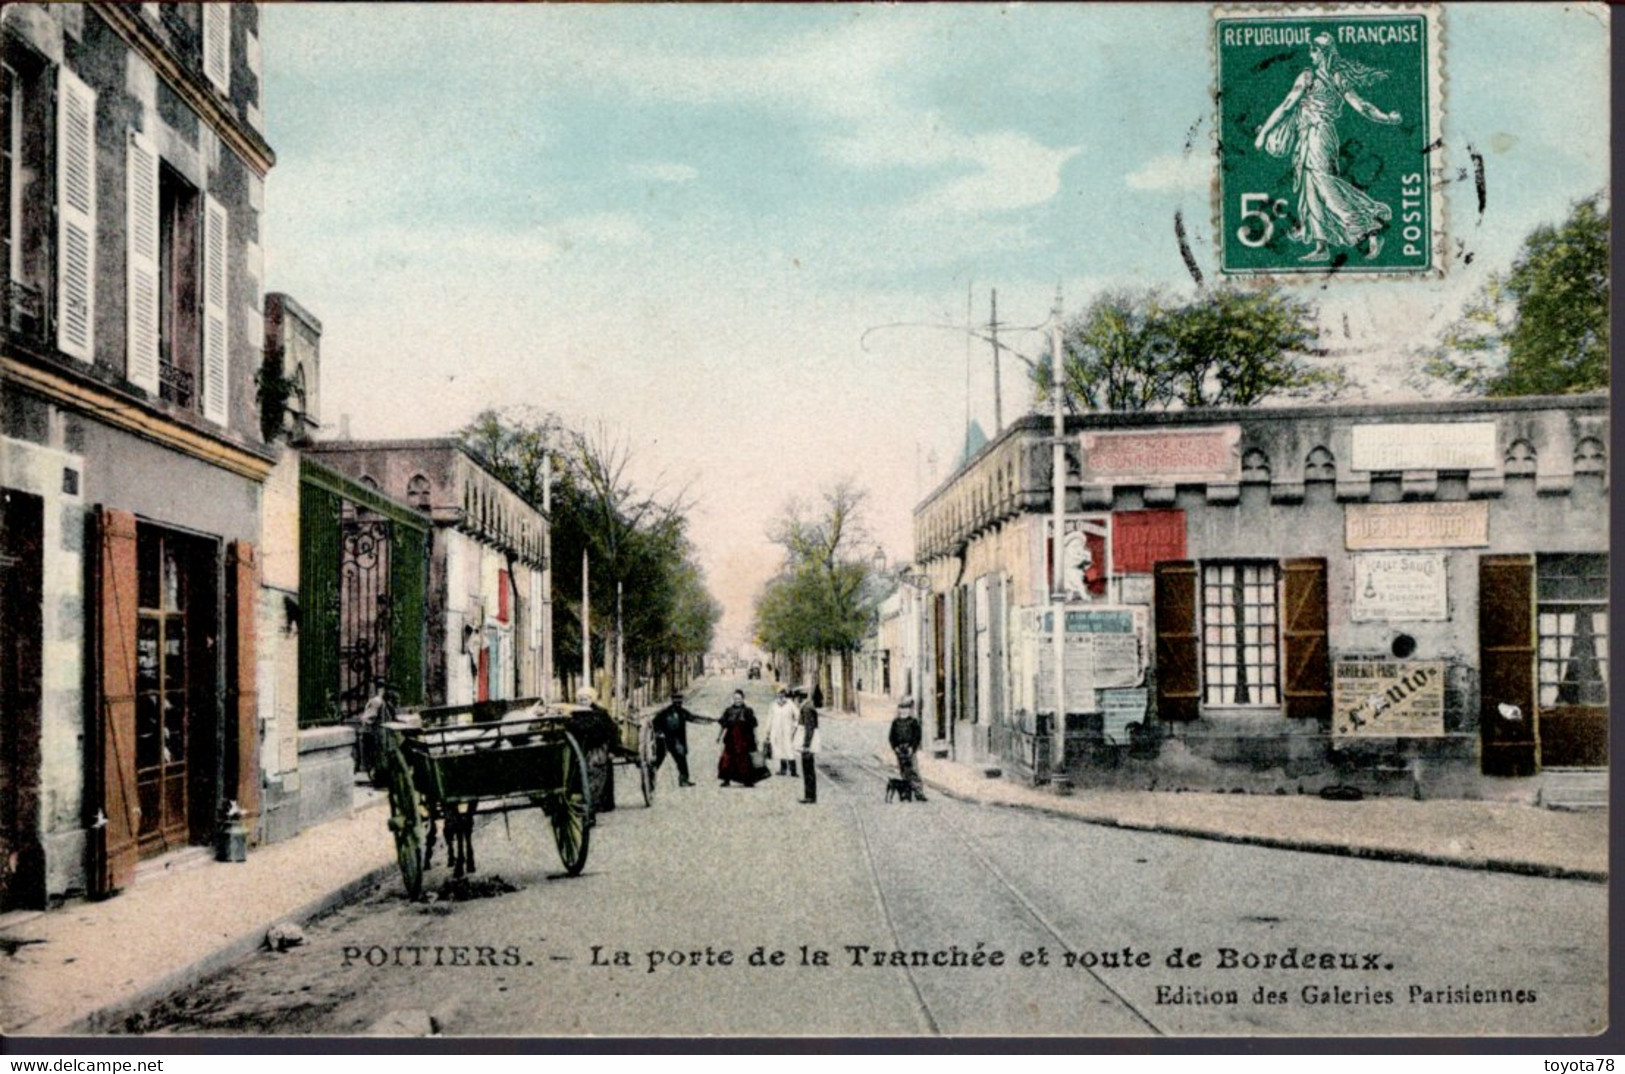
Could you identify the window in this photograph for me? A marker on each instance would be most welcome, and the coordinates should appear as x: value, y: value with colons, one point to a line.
x: 217, y: 44
x: 179, y: 328
x: 27, y: 199
x: 1571, y: 593
x: 1240, y: 662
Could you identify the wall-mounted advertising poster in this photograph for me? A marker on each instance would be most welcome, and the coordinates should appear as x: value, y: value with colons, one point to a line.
x: 1387, y: 699
x: 1397, y: 587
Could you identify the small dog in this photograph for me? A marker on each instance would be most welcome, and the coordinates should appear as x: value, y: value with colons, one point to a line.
x: 898, y: 789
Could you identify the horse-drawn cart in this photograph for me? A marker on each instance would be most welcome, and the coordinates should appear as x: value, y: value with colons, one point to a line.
x: 439, y: 775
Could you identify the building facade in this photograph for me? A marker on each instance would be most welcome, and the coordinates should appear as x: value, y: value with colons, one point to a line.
x: 485, y: 604
x: 133, y: 460
x: 1410, y: 598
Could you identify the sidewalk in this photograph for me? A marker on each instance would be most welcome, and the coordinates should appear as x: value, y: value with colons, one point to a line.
x: 72, y: 970
x: 1500, y: 836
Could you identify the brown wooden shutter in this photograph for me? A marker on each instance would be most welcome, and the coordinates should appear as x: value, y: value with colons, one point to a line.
x: 1506, y: 655
x: 113, y: 836
x: 242, y: 699
x: 1308, y: 662
x: 1179, y: 683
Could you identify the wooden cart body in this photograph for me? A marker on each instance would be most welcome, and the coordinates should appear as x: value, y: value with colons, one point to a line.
x: 439, y: 775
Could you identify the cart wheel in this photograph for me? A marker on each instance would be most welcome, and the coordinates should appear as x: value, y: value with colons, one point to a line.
x: 406, y: 822
x: 572, y: 812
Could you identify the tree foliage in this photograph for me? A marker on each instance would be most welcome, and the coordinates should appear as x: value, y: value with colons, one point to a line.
x: 819, y: 601
x: 630, y: 536
x: 1228, y: 346
x: 1542, y: 327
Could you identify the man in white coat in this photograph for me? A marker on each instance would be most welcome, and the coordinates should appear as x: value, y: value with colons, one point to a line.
x: 781, y: 733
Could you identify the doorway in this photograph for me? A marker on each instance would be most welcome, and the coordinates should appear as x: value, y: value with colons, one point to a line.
x: 22, y: 858
x: 176, y: 713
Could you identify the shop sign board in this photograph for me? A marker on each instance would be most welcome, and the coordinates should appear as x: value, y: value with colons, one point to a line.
x: 1396, y: 587
x: 1465, y: 445
x: 1416, y: 525
x: 1387, y: 698
x: 1163, y: 456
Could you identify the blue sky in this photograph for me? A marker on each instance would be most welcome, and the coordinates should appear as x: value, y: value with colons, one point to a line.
x: 679, y: 220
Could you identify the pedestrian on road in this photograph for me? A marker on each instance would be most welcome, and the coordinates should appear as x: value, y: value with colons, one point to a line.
x: 807, y: 744
x: 818, y: 695
x: 595, y: 730
x: 738, y: 763
x: 670, y: 727
x: 905, y: 743
x: 781, y: 732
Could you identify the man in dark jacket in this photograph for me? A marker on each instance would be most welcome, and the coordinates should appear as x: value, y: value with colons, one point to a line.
x: 905, y: 743
x: 807, y: 743
x: 670, y: 727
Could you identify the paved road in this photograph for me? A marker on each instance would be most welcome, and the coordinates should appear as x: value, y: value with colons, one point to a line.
x: 908, y: 904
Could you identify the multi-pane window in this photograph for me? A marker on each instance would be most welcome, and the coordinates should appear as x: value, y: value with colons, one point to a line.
x: 1240, y: 634
x: 162, y: 690
x: 1572, y: 623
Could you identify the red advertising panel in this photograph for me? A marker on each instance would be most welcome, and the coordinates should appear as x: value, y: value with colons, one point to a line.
x: 1141, y: 539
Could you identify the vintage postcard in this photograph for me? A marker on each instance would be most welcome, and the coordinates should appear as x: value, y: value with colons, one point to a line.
x: 804, y: 521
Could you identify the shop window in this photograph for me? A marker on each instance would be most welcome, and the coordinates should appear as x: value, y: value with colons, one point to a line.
x: 1240, y: 634
x: 1571, y: 593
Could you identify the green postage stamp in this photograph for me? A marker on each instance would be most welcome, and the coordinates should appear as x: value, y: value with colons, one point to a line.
x: 1329, y: 150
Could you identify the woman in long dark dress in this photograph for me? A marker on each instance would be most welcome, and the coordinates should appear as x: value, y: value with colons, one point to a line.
x: 738, y: 743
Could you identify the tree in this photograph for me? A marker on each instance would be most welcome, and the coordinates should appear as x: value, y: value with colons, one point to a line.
x: 635, y: 538
x: 1542, y: 327
x: 819, y: 602
x: 1228, y: 346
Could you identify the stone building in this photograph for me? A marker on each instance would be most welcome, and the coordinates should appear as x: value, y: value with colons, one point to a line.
x: 133, y: 459
x: 485, y: 606
x: 1402, y: 597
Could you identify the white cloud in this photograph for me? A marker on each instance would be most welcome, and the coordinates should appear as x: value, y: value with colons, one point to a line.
x: 1173, y: 171
x: 656, y: 171
x: 998, y: 170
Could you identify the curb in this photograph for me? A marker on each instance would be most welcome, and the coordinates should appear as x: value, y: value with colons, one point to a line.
x: 1408, y: 857
x: 103, y: 1019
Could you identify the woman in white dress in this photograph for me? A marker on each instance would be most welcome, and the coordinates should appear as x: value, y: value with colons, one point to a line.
x: 781, y: 733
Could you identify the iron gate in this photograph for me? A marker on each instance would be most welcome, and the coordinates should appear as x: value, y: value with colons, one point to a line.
x: 363, y: 573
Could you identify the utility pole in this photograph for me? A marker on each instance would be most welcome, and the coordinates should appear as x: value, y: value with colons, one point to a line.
x: 998, y: 393
x: 586, y: 623
x: 547, y: 577
x: 620, y: 653
x: 1057, y: 596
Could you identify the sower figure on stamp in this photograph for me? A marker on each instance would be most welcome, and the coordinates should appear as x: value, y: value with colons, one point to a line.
x: 905, y: 743
x: 1331, y: 210
x: 670, y: 727
x: 807, y: 745
x: 781, y: 732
